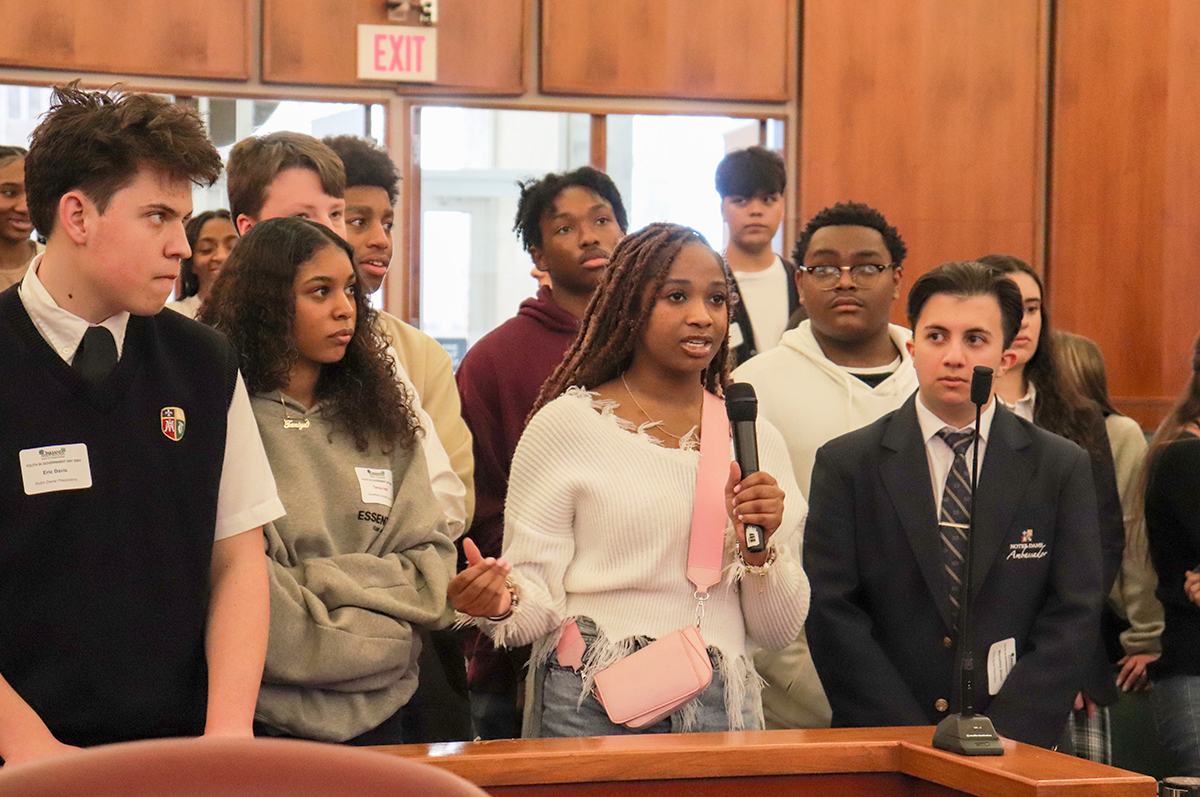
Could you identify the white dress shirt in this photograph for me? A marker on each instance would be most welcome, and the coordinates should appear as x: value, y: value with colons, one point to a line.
x: 938, y: 451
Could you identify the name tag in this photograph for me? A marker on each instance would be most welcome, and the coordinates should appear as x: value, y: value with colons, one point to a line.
x: 54, y: 468
x: 1001, y: 658
x: 375, y: 485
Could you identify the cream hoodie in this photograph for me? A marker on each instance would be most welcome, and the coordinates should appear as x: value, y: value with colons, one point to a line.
x: 811, y: 400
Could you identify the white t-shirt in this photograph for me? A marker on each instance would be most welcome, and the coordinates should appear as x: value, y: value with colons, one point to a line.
x: 246, y: 498
x: 765, y: 295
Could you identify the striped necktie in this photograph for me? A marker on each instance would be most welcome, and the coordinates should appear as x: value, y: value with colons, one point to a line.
x: 955, y: 517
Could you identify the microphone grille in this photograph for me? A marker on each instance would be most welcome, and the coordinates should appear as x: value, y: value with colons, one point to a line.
x: 741, y: 403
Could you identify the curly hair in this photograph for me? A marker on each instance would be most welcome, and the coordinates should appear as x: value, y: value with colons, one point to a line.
x: 858, y: 215
x: 97, y: 142
x: 1059, y: 408
x: 617, y: 314
x: 366, y: 163
x: 189, y: 282
x: 537, y: 197
x: 751, y: 171
x: 253, y: 304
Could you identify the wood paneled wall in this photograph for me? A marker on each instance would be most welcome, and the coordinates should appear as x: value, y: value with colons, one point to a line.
x: 928, y: 110
x: 481, y: 44
x: 208, y: 39
x: 718, y: 49
x: 1125, y: 191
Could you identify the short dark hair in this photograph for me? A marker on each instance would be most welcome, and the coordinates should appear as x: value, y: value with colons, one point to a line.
x: 188, y: 281
x: 10, y: 152
x: 366, y: 163
x: 964, y: 279
x: 97, y: 141
x: 854, y: 214
x: 255, y: 161
x: 537, y: 195
x: 751, y: 171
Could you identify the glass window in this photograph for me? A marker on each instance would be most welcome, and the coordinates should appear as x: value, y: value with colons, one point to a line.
x: 24, y: 106
x: 664, y: 166
x: 474, y: 273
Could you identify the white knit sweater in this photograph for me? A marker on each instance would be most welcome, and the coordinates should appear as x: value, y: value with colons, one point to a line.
x: 597, y: 522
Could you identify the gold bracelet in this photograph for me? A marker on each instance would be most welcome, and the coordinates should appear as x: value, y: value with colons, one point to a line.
x: 513, y: 599
x: 758, y: 570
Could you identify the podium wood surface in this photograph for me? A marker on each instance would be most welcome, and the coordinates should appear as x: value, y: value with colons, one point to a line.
x: 891, y: 762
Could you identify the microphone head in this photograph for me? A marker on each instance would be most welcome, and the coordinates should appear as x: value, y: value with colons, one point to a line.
x: 740, y: 402
x: 981, y: 385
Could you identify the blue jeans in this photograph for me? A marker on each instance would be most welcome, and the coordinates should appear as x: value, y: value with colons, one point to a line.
x: 1176, y: 704
x: 563, y: 715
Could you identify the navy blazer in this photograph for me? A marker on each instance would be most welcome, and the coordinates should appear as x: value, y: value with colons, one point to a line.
x: 879, y: 624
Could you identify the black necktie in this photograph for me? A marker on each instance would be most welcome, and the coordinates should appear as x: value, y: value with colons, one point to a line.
x: 955, y: 517
x: 96, y: 356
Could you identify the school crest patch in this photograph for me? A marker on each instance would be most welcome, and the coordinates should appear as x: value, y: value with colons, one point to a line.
x: 174, y: 422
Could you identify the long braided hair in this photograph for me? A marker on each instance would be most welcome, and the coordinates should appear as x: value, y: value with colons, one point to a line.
x: 620, y: 309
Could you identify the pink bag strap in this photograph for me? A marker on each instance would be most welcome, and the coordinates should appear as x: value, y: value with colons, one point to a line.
x: 707, y: 542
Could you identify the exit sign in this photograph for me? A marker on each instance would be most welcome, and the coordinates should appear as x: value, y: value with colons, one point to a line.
x: 397, y: 53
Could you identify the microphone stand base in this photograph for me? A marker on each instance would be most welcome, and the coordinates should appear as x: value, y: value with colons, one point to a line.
x: 973, y: 735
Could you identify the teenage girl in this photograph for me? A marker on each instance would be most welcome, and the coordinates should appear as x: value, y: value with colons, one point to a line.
x: 1173, y: 526
x: 211, y: 236
x: 1034, y: 389
x: 600, y: 500
x: 362, y: 555
x: 1132, y: 597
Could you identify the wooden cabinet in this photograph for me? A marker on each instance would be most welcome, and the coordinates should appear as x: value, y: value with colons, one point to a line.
x: 209, y: 39
x: 481, y: 44
x: 717, y: 49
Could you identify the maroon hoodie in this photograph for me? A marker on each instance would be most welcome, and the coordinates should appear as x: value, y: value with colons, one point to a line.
x: 499, y: 380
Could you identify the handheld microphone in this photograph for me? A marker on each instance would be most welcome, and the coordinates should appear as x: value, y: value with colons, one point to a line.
x: 742, y: 406
x: 969, y: 733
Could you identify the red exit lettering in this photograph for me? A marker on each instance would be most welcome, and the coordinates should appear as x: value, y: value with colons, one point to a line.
x: 399, y: 53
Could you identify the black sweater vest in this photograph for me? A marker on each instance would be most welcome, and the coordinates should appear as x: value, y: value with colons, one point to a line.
x: 104, y: 591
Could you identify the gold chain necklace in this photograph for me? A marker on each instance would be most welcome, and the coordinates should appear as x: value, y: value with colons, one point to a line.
x: 638, y: 404
x: 293, y: 423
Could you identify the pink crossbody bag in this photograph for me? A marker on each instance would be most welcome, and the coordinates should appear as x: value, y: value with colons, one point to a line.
x: 650, y: 684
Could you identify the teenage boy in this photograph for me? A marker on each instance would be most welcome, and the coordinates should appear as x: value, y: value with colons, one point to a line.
x: 839, y: 370
x: 293, y: 174
x: 751, y: 183
x: 439, y: 711
x: 570, y: 224
x: 16, y: 247
x: 286, y: 174
x: 135, y: 484
x: 886, y: 535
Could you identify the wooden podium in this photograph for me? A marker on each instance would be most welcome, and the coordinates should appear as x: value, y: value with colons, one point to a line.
x: 840, y: 762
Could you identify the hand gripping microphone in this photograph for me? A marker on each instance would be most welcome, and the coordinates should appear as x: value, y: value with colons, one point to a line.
x: 969, y: 733
x: 742, y: 406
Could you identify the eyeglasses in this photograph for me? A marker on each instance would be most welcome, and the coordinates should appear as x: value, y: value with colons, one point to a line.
x: 864, y: 275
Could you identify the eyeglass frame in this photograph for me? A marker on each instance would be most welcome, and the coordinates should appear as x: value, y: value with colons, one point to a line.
x: 881, y: 266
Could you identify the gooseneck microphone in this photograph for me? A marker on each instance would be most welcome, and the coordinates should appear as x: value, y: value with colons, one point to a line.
x: 969, y: 733
x: 741, y: 404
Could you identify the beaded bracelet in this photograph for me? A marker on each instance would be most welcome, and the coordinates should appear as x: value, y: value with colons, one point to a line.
x: 514, y: 599
x: 758, y: 570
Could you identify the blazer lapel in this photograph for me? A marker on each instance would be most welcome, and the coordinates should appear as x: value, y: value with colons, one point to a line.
x: 905, y: 474
x: 1004, y: 477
